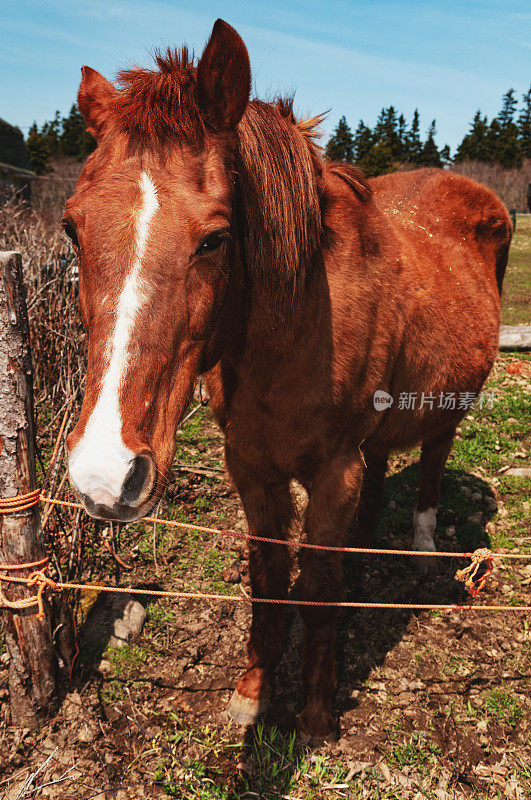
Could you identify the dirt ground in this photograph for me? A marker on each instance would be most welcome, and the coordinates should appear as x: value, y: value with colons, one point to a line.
x: 431, y: 704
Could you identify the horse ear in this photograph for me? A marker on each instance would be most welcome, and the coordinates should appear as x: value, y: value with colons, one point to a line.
x: 224, y: 77
x: 93, y: 98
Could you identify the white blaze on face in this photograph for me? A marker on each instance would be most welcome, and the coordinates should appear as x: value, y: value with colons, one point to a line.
x: 100, y: 462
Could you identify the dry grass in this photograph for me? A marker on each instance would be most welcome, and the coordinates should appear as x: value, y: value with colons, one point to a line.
x: 509, y: 184
x: 58, y: 351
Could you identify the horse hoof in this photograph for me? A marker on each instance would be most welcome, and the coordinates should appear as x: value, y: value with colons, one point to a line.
x: 247, y: 710
x: 426, y: 566
x: 315, y: 729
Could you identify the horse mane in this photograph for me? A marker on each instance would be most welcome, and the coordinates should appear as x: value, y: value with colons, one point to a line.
x: 353, y: 177
x: 278, y: 173
x: 277, y: 170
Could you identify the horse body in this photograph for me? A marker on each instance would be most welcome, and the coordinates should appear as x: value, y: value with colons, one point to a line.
x: 385, y: 312
x: 214, y: 239
x: 406, y: 316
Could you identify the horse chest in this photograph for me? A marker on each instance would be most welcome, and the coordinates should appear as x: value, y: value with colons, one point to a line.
x: 276, y: 436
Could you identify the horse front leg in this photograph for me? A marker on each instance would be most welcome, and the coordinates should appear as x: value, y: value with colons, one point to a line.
x: 269, y: 511
x: 333, y: 496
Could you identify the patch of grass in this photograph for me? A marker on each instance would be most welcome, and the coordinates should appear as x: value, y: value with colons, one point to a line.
x: 203, y: 503
x: 482, y: 444
x: 178, y: 777
x: 490, y: 437
x: 205, y: 562
x: 458, y: 666
x: 179, y: 783
x: 503, y: 707
x: 158, y: 615
x: 517, y: 283
x: 164, y: 536
x: 113, y: 692
x: 126, y: 660
x: 281, y: 766
x: 418, y: 752
x: 191, y: 435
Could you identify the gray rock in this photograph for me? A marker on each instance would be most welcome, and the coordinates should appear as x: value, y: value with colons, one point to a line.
x: 515, y: 337
x: 520, y: 472
x: 114, y: 619
x: 129, y: 625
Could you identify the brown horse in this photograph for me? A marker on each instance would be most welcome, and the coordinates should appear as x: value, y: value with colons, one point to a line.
x: 214, y: 239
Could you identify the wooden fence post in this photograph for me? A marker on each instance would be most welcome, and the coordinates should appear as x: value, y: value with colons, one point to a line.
x: 32, y: 687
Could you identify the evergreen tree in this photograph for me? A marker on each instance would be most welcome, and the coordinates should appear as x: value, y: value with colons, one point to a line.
x: 363, y: 142
x: 505, y: 140
x: 474, y: 145
x: 74, y: 139
x: 386, y: 132
x: 61, y: 136
x: 340, y: 146
x: 413, y: 147
x: 52, y: 134
x: 402, y: 137
x: 37, y: 148
x: 506, y: 115
x: 378, y: 160
x: 524, y: 125
x: 429, y: 156
x: 445, y: 154
x: 507, y: 150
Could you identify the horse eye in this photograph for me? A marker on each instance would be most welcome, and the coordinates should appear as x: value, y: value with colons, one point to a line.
x: 71, y: 233
x: 212, y: 242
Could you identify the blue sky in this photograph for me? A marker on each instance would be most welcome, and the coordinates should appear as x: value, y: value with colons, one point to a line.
x: 448, y: 58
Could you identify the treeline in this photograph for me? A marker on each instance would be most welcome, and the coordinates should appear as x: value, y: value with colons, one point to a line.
x: 63, y: 136
x: 393, y: 143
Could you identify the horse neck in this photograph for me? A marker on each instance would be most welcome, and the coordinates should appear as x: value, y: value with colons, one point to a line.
x: 274, y: 329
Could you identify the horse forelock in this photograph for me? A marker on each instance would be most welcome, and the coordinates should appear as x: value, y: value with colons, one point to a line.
x: 157, y: 107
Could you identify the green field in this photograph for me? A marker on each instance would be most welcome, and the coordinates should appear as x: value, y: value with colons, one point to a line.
x: 517, y: 283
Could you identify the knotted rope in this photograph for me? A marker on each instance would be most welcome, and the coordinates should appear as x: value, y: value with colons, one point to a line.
x: 37, y: 578
x: 43, y: 581
x: 468, y: 574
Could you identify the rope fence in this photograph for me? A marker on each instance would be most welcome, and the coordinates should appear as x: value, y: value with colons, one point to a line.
x: 24, y: 503
x: 297, y: 543
x: 39, y: 578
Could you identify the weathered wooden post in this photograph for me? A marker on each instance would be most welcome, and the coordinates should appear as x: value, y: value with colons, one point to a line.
x: 29, y: 641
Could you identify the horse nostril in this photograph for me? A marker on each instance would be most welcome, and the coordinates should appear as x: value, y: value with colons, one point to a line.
x: 139, y: 481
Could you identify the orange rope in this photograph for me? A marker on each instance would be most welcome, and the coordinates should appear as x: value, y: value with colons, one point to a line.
x: 37, y: 578
x: 43, y: 580
x: 295, y: 543
x: 468, y: 574
x: 23, y: 502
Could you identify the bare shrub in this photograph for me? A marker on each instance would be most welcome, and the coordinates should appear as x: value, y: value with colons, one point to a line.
x: 50, y: 272
x: 509, y: 184
x: 58, y: 350
x: 51, y: 191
